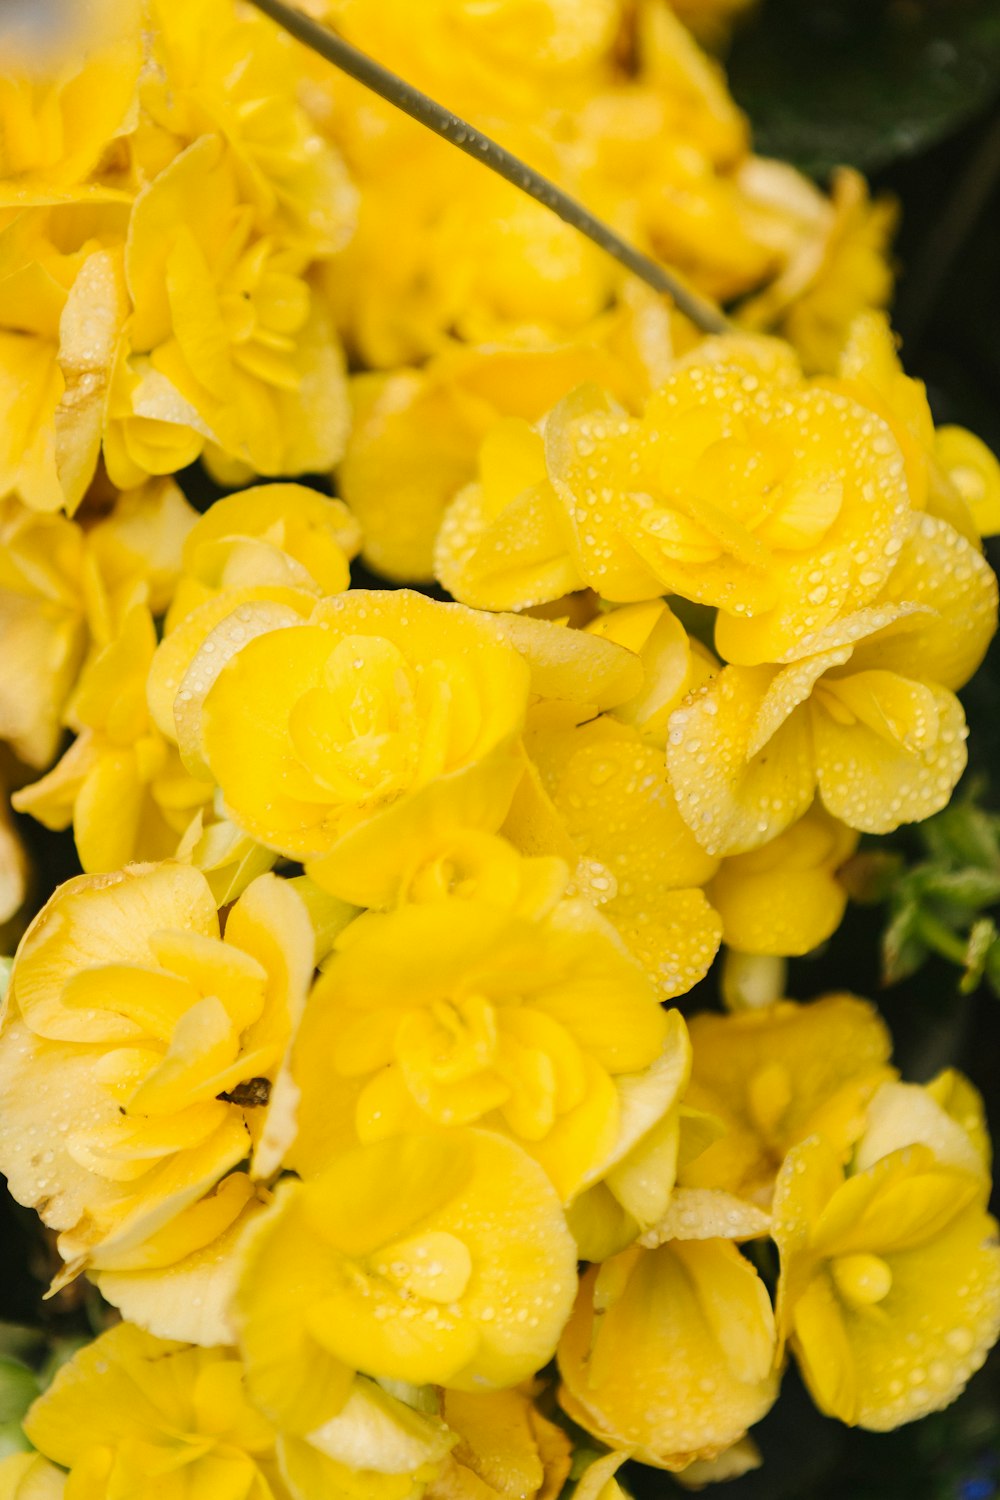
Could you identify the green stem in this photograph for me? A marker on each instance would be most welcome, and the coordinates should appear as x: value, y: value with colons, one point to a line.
x: 937, y: 935
x: 704, y: 314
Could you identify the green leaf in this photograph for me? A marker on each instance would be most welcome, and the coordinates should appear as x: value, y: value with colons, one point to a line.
x: 18, y: 1388
x: 864, y: 82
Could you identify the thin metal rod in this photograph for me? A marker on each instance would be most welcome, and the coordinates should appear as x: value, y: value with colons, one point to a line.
x: 704, y: 314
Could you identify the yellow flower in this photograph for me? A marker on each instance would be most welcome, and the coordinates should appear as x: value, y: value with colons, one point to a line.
x: 120, y: 784
x: 416, y: 432
x: 131, y: 1413
x: 669, y: 1353
x: 13, y: 867
x: 227, y: 320
x: 458, y: 1014
x: 505, y: 1448
x: 42, y: 625
x: 779, y: 502
x: 65, y: 102
x: 950, y: 472
x: 784, y: 897
x: 377, y: 1447
x: 837, y: 259
x: 62, y: 307
x: 438, y: 1258
x: 218, y: 70
x: 673, y: 662
x: 28, y: 1476
x: 890, y: 1272
x: 863, y: 710
x: 599, y: 793
x: 347, y: 759
x: 504, y: 543
x: 776, y: 1075
x: 281, y: 536
x: 139, y: 1053
x: 136, y: 553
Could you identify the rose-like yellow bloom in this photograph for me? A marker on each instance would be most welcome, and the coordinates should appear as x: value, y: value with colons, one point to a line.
x: 416, y: 432
x: 669, y: 1353
x: 776, y: 1075
x: 439, y: 1257
x: 62, y: 307
x: 130, y: 1413
x: 139, y: 1051
x: 784, y: 898
x: 466, y: 1014
x: 779, y: 502
x: 378, y: 711
x: 505, y: 1448
x: 950, y: 472
x: 890, y: 1272
x: 226, y: 319
x: 599, y: 794
x: 64, y: 101
x: 28, y: 1476
x: 42, y: 625
x: 863, y: 710
x: 836, y: 259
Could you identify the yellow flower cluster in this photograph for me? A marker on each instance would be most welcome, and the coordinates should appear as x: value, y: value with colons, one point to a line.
x: 165, y: 202
x: 343, y: 1069
x: 371, y: 1325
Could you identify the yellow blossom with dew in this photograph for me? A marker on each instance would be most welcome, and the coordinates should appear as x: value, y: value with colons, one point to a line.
x: 697, y: 1297
x: 227, y: 320
x: 140, y: 1049
x: 890, y: 1270
x: 346, y: 759
x: 29, y: 1476
x: 453, y: 1014
x: 416, y: 433
x: 505, y: 1447
x: 434, y: 1257
x: 776, y: 501
x: 776, y: 1075
x: 863, y: 710
x: 596, y: 795
x: 784, y: 897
